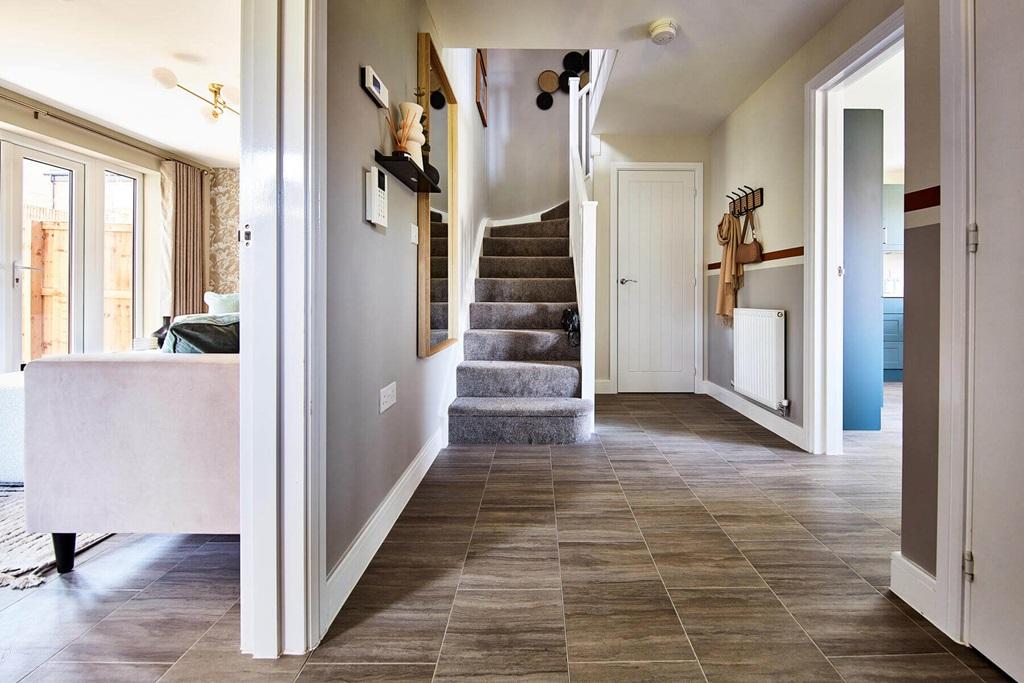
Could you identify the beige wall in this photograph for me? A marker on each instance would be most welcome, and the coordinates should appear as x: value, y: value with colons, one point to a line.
x: 617, y: 149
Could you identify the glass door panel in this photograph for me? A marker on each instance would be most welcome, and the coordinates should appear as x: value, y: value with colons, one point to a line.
x: 119, y: 216
x: 44, y: 269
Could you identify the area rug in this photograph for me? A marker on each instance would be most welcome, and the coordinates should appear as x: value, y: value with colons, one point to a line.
x: 25, y: 557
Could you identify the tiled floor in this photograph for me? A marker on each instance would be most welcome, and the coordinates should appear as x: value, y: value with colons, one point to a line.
x: 684, y: 543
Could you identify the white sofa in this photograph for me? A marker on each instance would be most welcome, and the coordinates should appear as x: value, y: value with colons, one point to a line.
x: 137, y: 442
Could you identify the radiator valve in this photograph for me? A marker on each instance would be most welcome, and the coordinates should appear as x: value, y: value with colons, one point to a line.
x: 783, y: 408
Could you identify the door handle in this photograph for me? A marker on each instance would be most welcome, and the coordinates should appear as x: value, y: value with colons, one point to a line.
x: 624, y: 280
x: 16, y: 267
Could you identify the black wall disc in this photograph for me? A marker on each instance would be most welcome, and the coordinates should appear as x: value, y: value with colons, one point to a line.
x: 563, y: 80
x: 545, y: 100
x: 572, y: 61
x: 437, y: 100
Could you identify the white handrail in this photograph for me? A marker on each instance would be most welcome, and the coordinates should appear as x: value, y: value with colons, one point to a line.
x: 583, y: 234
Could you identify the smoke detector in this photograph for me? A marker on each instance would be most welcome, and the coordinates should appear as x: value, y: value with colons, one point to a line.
x: 663, y: 30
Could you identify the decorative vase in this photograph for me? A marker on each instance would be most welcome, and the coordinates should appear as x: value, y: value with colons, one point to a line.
x: 414, y: 143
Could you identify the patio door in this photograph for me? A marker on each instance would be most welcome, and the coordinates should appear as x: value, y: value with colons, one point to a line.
x: 42, y: 208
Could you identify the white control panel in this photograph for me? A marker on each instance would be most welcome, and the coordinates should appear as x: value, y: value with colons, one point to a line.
x: 375, y: 87
x: 377, y: 197
x: 388, y: 396
x: 414, y: 233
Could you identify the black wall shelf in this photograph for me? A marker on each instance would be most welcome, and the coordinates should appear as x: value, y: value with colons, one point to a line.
x: 402, y: 167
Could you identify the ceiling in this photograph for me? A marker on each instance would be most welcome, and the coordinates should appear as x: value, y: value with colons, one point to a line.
x: 725, y: 49
x: 95, y: 58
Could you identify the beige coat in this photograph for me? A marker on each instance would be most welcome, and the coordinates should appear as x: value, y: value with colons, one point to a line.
x: 730, y: 278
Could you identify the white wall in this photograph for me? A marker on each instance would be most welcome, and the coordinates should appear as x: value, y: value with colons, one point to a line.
x: 526, y: 148
x: 622, y: 148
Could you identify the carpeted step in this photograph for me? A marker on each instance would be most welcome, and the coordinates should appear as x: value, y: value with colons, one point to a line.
x: 438, y: 246
x: 498, y: 378
x: 508, y: 315
x: 439, y: 289
x: 438, y: 266
x: 525, y: 246
x: 528, y: 289
x: 519, y: 345
x: 560, y: 211
x: 525, y: 266
x: 439, y: 316
x: 556, y: 228
x: 519, y: 420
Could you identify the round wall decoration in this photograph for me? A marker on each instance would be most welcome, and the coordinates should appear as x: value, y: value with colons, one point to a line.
x: 437, y: 100
x: 545, y: 100
x: 548, y: 81
x: 572, y: 61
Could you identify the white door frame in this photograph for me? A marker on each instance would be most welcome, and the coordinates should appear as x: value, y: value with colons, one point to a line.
x: 698, y: 265
x: 939, y: 598
x: 823, y: 235
x: 283, y: 140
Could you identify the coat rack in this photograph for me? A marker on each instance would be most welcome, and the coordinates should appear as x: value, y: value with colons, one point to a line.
x: 745, y: 200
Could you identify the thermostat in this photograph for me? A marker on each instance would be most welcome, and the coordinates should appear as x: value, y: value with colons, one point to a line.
x: 375, y: 87
x: 377, y: 197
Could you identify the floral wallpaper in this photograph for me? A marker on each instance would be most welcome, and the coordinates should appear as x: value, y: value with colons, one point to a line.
x: 224, y: 225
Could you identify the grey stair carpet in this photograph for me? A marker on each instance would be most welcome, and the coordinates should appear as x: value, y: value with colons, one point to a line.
x: 520, y: 382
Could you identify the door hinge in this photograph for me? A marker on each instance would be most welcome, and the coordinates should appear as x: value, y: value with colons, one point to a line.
x: 972, y: 238
x: 969, y: 565
x: 245, y: 235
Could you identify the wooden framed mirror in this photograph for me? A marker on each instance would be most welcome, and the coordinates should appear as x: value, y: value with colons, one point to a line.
x: 437, y: 211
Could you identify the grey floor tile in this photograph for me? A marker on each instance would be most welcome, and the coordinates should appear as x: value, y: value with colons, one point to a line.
x: 627, y: 621
x: 590, y: 563
x: 937, y: 668
x: 361, y: 673
x: 505, y: 635
x: 62, y: 672
x: 513, y: 548
x: 637, y: 672
x: 611, y: 526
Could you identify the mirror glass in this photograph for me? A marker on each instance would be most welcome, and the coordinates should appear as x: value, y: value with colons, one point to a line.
x: 437, y: 167
x: 437, y: 210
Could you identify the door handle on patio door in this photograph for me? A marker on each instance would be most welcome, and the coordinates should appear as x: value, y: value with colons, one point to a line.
x: 624, y: 280
x: 15, y: 270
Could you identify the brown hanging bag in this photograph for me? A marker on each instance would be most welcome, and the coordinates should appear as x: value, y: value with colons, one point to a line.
x: 749, y: 252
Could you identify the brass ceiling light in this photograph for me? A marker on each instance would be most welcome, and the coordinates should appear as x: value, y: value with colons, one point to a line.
x: 218, y: 104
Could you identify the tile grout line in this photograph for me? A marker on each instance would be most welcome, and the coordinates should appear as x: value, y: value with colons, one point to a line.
x: 661, y: 578
x: 465, y: 557
x: 558, y: 556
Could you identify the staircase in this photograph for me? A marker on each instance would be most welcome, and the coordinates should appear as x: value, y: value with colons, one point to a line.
x: 438, y: 279
x: 521, y: 380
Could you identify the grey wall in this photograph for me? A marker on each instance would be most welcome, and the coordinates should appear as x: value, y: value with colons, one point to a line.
x: 527, y: 149
x: 371, y: 276
x: 921, y: 395
x: 780, y: 288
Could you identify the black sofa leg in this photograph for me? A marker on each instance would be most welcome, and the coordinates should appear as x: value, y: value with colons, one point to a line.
x: 64, y: 549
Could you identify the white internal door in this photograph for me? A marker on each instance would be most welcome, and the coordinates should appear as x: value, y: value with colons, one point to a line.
x: 656, y: 280
x: 996, y: 612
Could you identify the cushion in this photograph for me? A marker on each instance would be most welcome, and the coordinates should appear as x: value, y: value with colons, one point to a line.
x: 203, y: 333
x: 221, y: 303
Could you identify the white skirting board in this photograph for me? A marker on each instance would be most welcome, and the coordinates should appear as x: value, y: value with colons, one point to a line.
x: 604, y: 386
x: 915, y: 586
x: 343, y: 579
x: 793, y: 433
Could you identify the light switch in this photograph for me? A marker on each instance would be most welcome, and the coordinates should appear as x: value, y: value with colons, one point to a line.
x: 414, y: 233
x: 388, y: 396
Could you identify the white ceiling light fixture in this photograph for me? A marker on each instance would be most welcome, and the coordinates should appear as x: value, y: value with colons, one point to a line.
x: 218, y: 104
x: 663, y: 30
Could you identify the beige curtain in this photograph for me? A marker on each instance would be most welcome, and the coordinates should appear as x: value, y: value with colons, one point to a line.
x: 186, y: 209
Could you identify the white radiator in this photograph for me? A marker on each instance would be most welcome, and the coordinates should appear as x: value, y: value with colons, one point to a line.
x: 759, y: 356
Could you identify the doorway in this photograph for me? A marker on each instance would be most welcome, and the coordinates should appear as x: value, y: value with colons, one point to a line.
x: 655, y: 292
